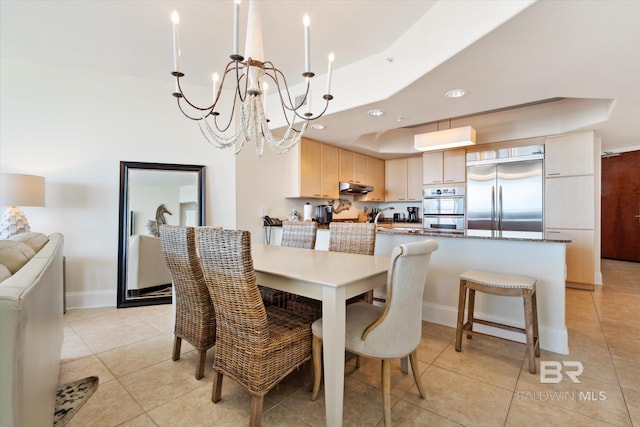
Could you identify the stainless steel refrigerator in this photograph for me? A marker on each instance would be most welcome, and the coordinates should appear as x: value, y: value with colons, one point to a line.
x: 505, y: 189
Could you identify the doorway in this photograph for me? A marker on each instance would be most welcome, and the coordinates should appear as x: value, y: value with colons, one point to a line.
x: 620, y: 217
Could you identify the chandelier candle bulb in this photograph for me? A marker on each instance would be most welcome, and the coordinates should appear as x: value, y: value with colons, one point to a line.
x: 175, y: 18
x: 215, y: 78
x: 236, y: 13
x: 331, y: 58
x: 307, y: 57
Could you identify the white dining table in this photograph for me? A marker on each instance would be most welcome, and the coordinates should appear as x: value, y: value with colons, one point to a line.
x: 331, y: 277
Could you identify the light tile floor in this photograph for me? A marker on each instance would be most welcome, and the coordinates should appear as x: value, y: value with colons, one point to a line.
x: 487, y: 384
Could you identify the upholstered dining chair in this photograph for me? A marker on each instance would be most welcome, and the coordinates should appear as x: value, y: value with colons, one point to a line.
x: 195, y: 317
x: 295, y: 234
x: 390, y: 332
x: 255, y: 346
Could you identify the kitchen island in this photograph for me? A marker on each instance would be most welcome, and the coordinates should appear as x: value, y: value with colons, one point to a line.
x: 522, y: 253
x: 530, y: 254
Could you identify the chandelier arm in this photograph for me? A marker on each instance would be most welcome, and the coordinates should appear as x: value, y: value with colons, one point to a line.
x: 291, y: 106
x: 185, y: 113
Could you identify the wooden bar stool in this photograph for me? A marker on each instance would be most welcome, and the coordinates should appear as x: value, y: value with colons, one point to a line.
x: 503, y: 285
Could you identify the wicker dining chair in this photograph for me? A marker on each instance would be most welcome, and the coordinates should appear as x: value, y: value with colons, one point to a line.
x: 351, y: 237
x: 195, y: 316
x: 390, y: 332
x: 257, y: 346
x: 295, y: 234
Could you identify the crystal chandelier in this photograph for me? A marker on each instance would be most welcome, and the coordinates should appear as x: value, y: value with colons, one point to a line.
x: 251, y: 74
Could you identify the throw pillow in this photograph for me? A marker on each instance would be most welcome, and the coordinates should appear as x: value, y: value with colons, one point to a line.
x: 14, y: 255
x: 4, y: 273
x: 31, y: 238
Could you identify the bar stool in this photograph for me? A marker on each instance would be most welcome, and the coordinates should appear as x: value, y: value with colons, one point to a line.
x: 503, y: 285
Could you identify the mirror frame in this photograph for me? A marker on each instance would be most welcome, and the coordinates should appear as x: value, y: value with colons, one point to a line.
x: 123, y: 237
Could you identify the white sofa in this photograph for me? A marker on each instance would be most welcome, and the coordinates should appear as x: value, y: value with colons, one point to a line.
x: 31, y: 331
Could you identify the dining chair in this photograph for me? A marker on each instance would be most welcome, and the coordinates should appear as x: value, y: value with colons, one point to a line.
x: 390, y: 332
x: 195, y: 319
x: 351, y: 237
x: 295, y: 234
x: 256, y: 346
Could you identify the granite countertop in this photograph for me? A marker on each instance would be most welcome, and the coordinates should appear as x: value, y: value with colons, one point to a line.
x: 479, y: 234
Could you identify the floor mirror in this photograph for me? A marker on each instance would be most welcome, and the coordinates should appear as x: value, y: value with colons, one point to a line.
x: 152, y: 194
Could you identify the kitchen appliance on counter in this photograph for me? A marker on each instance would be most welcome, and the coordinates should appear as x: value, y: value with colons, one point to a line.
x: 324, y: 214
x: 412, y: 214
x: 443, y: 209
x: 505, y: 189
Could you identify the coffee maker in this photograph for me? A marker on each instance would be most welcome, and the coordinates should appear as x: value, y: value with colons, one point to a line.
x: 324, y: 214
x: 412, y: 214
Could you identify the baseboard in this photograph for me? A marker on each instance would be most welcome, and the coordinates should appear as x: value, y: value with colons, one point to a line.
x: 90, y: 299
x: 581, y: 286
x: 551, y: 339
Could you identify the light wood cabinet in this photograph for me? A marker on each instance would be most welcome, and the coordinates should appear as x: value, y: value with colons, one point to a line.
x: 444, y: 167
x: 313, y: 170
x: 353, y: 167
x: 403, y: 179
x: 569, y: 155
x: 570, y: 202
x: 414, y: 172
x: 580, y: 256
x: 329, y: 174
x: 376, y: 178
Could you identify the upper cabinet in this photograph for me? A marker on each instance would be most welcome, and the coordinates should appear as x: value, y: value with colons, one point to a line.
x: 376, y: 178
x: 403, y: 179
x: 569, y: 155
x: 313, y: 170
x: 353, y: 167
x: 444, y: 167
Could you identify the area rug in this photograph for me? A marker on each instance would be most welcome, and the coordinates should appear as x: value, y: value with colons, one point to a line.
x: 70, y: 397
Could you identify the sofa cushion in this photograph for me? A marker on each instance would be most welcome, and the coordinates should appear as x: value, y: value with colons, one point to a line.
x: 4, y: 273
x: 14, y: 255
x: 31, y: 238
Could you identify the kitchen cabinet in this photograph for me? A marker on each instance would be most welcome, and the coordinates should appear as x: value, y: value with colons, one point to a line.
x: 403, y: 179
x: 569, y: 155
x: 444, y: 167
x: 353, y: 167
x: 580, y: 257
x: 572, y: 196
x: 312, y: 170
x: 569, y: 202
x: 376, y: 178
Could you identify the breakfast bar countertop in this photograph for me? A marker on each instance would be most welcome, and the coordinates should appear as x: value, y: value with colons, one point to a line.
x: 479, y: 234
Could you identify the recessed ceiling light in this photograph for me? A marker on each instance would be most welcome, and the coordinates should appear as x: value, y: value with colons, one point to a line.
x: 375, y: 113
x: 455, y: 93
x: 318, y: 126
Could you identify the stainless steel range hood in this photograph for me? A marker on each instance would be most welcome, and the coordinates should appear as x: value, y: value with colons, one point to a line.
x: 350, y: 188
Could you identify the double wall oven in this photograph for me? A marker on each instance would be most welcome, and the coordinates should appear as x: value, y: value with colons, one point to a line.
x: 443, y: 209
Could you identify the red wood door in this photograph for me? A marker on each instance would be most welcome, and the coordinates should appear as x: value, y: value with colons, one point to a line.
x: 621, y: 207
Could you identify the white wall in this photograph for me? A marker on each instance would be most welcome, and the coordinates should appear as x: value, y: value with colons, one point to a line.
x: 74, y: 127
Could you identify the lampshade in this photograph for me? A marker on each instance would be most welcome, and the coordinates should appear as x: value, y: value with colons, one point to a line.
x: 21, y: 190
x: 18, y: 190
x: 448, y: 138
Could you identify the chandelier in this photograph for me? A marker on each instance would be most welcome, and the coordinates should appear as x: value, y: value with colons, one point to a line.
x: 249, y: 76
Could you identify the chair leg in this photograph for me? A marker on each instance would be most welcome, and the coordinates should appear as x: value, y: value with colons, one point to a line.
x: 536, y: 334
x: 528, y: 324
x: 177, y: 342
x: 201, y: 361
x: 217, y: 387
x: 413, y: 358
x: 386, y: 391
x: 316, y: 351
x: 462, y: 296
x: 256, y: 411
x: 471, y: 310
x: 357, y: 361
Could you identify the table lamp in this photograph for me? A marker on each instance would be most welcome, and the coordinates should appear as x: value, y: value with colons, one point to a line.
x: 18, y: 190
